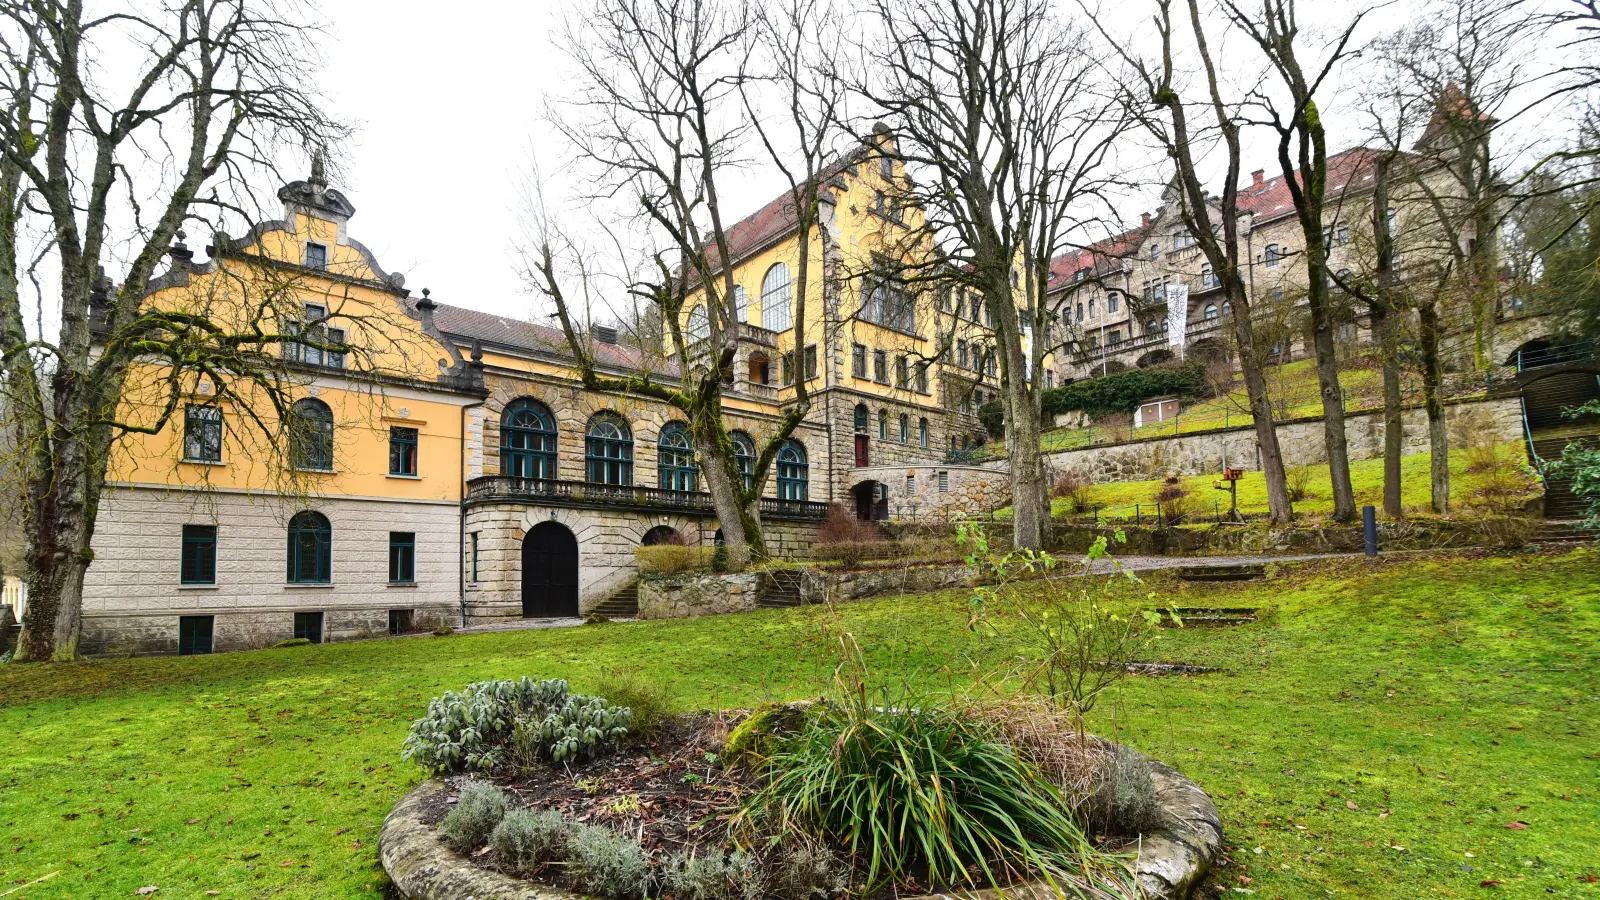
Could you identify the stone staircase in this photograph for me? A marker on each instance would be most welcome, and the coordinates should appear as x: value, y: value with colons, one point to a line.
x: 1222, y: 573
x: 780, y: 589
x: 1549, y: 431
x: 1207, y: 616
x: 624, y: 604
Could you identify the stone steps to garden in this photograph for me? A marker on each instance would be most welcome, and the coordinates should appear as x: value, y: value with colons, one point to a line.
x: 1207, y: 616
x: 779, y: 590
x: 624, y: 604
x: 1222, y: 573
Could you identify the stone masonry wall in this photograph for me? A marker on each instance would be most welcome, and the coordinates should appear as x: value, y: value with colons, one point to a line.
x: 697, y: 595
x: 1301, y: 442
x: 916, y: 495
x: 133, y: 598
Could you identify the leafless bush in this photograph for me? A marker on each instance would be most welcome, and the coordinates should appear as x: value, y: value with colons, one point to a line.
x: 1172, y: 499
x: 1298, y: 481
x: 1074, y: 488
x: 671, y: 559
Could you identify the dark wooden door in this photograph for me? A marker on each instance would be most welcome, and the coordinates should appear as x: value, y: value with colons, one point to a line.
x: 863, y: 453
x: 549, y: 572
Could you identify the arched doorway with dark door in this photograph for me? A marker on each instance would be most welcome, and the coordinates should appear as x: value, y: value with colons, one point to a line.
x: 872, y: 501
x: 549, y: 572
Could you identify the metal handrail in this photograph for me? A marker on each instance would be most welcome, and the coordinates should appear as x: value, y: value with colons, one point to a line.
x: 627, y: 496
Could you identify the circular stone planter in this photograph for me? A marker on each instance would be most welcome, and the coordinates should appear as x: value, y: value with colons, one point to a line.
x: 1172, y: 856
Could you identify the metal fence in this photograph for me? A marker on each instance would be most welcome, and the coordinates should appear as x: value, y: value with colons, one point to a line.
x: 1151, y: 514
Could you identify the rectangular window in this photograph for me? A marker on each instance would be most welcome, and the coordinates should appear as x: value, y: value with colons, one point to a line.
x: 911, y: 485
x: 787, y: 366
x: 961, y: 354
x: 194, y: 635
x: 1112, y: 302
x: 902, y: 372
x: 402, y: 451
x: 474, y: 556
x: 316, y: 256
x: 199, y: 564
x: 944, y: 477
x: 315, y: 350
x: 922, y: 377
x: 1050, y: 380
x: 308, y: 625
x: 1115, y: 337
x: 402, y: 557
x: 977, y: 307
x: 399, y: 621
x: 858, y: 361
x: 811, y: 361
x: 880, y: 367
x: 202, y: 434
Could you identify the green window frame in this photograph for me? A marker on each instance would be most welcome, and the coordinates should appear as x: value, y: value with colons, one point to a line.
x: 310, y: 549
x: 474, y: 556
x: 402, y: 557
x: 199, y: 559
x: 675, y: 466
x: 528, y: 440
x: 311, y: 435
x: 608, y: 450
x: 195, y: 635
x: 202, y: 434
x: 793, y: 471
x: 308, y: 625
x: 402, y: 451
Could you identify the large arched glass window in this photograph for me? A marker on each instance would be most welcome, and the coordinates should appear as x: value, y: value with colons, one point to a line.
x: 699, y: 324
x: 776, y: 314
x: 675, y: 458
x: 883, y: 424
x: 862, y: 417
x: 608, y: 450
x: 528, y: 440
x: 744, y: 456
x: 311, y: 435
x: 793, y: 472
x: 310, y: 549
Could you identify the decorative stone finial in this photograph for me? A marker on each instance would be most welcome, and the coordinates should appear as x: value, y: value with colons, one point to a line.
x: 319, y: 169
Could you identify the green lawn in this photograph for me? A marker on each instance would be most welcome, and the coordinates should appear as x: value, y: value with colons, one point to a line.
x: 1119, y: 498
x: 1384, y: 722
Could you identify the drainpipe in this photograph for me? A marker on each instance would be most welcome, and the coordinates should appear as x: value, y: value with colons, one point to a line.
x: 461, y: 518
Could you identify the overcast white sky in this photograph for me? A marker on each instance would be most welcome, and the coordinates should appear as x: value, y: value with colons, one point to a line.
x: 447, y: 99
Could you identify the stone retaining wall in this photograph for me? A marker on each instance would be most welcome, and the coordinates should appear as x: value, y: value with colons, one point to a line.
x: 688, y: 596
x: 1301, y: 441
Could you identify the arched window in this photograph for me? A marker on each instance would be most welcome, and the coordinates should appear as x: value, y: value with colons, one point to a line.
x: 675, y: 458
x: 1092, y: 313
x: 1152, y: 326
x: 1210, y: 311
x: 311, y: 435
x: 1272, y: 255
x: 608, y: 449
x: 744, y: 455
x: 862, y: 415
x: 1226, y: 307
x: 528, y: 440
x: 775, y: 312
x: 793, y: 472
x: 310, y: 548
x: 1208, y: 278
x: 741, y: 304
x: 883, y: 424
x: 922, y: 433
x: 905, y: 429
x: 699, y: 324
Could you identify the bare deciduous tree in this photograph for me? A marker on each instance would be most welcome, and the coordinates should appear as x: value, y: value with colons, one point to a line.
x: 105, y: 158
x: 999, y: 113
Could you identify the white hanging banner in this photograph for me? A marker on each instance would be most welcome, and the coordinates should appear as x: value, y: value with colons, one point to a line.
x: 1177, y: 314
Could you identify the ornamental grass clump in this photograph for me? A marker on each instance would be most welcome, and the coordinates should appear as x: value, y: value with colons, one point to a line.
x: 919, y: 797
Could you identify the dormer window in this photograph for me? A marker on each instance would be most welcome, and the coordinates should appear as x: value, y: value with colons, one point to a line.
x: 316, y: 255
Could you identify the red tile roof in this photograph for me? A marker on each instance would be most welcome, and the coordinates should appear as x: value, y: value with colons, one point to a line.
x: 470, y: 325
x: 776, y: 220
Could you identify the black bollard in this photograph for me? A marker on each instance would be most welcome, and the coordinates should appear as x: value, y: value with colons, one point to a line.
x: 1369, y: 525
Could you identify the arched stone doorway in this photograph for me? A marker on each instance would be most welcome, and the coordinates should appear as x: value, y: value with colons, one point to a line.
x: 663, y: 534
x: 872, y: 500
x: 549, y: 572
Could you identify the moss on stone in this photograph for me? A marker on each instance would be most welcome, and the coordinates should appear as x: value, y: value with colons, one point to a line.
x: 765, y: 730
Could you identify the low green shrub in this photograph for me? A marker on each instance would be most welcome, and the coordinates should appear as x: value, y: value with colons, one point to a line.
x: 992, y: 416
x: 472, y: 729
x: 714, y: 876
x: 603, y: 862
x: 650, y: 700
x: 528, y: 838
x: 672, y: 559
x: 1124, y: 391
x: 919, y: 794
x: 1124, y: 799
x: 477, y: 812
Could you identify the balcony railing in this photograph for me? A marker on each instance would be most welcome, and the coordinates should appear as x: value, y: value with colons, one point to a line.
x: 612, y: 496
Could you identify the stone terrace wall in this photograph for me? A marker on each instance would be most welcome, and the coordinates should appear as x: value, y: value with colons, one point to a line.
x: 1300, y: 439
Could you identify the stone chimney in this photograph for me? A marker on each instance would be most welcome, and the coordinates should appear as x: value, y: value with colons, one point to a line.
x: 1145, y: 218
x: 1258, y: 179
